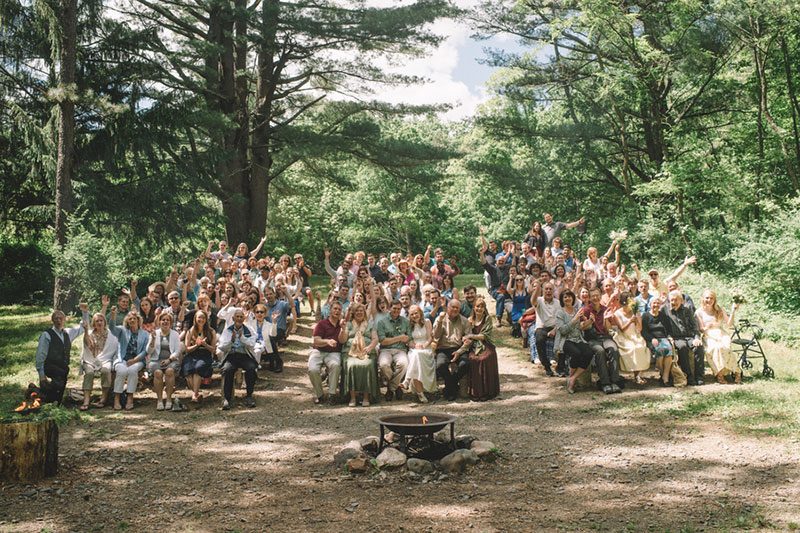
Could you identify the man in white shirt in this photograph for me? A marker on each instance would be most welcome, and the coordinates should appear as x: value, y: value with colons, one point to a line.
x: 546, y: 309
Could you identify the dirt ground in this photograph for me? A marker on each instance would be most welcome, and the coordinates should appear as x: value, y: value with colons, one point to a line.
x: 567, y: 464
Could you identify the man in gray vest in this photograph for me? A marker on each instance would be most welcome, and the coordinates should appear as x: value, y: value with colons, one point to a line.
x: 52, y: 355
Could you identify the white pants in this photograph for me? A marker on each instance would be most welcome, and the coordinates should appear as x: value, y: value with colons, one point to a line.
x: 333, y: 362
x: 393, y: 357
x: 131, y: 373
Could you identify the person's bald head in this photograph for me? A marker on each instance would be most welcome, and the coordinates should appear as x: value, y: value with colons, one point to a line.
x: 453, y: 308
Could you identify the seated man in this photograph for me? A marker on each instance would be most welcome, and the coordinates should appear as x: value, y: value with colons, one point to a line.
x: 606, y: 354
x: 326, y: 350
x: 52, y: 355
x: 236, y: 345
x: 686, y: 338
x: 448, y: 345
x: 394, y: 332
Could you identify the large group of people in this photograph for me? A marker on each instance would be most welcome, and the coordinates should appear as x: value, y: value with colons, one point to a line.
x: 392, y: 324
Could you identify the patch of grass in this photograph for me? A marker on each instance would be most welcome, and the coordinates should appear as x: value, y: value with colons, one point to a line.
x: 20, y: 327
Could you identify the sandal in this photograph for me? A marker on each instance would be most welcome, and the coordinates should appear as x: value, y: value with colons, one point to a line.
x: 721, y: 379
x: 98, y: 404
x: 737, y: 378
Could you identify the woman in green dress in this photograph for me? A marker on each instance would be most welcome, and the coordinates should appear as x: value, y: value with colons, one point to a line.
x: 358, y: 356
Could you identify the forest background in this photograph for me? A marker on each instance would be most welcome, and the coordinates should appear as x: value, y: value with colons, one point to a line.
x: 133, y: 132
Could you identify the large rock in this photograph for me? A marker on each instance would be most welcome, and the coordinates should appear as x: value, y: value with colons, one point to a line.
x: 420, y: 466
x: 358, y: 465
x: 369, y: 444
x: 391, y: 458
x: 458, y: 460
x: 442, y: 436
x: 483, y: 447
x: 345, y: 454
x: 464, y: 441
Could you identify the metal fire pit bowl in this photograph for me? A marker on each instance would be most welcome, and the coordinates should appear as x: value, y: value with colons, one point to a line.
x: 417, y: 435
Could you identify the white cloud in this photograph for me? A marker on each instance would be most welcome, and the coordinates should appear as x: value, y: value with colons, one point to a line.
x: 438, y: 69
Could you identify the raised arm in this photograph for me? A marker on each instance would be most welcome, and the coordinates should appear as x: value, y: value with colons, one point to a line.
x: 331, y: 272
x: 259, y: 247
x: 426, y: 259
x: 610, y: 249
x: 681, y: 269
x: 571, y: 225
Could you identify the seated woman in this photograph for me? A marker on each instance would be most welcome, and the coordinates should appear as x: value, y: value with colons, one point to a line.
x: 713, y: 323
x: 656, y: 332
x: 633, y: 354
x: 421, y: 371
x: 99, y: 350
x: 484, y: 374
x: 164, y: 352
x: 359, y: 340
x: 569, y: 339
x: 263, y: 329
x: 130, y: 357
x: 201, y: 343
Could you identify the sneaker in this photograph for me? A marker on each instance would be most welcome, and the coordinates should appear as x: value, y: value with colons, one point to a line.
x: 249, y: 401
x: 549, y: 372
x: 352, y: 403
x: 615, y: 388
x: 389, y: 396
x: 365, y: 403
x: 422, y: 398
x: 607, y: 389
x: 226, y: 405
x: 159, y: 405
x: 398, y: 394
x: 699, y: 382
x: 168, y: 405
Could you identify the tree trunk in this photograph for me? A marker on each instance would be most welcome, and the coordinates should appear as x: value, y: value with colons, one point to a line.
x: 268, y: 73
x: 66, y: 137
x: 794, y: 107
x: 28, y: 451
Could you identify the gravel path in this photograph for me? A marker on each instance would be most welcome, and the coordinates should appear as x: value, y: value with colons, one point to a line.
x: 568, y: 463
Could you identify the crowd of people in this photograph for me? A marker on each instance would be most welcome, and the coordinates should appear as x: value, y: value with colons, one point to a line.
x: 395, y: 322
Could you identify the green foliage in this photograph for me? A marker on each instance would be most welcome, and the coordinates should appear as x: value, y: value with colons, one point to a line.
x: 770, y: 258
x: 93, y: 265
x: 27, y: 273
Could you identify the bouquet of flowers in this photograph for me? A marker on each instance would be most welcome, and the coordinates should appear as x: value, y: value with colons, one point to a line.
x: 738, y: 298
x: 618, y: 236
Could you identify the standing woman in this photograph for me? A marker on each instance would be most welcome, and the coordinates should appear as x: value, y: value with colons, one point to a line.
x: 421, y: 370
x: 405, y: 271
x: 99, y: 351
x: 130, y: 357
x: 713, y: 324
x: 633, y: 354
x: 359, y: 340
x: 535, y: 238
x: 519, y: 300
x: 483, y: 372
x: 164, y: 353
x: 148, y: 312
x: 201, y: 342
x: 263, y: 329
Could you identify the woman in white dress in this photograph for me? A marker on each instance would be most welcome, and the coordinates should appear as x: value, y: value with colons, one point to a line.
x: 421, y: 371
x: 714, y: 324
x: 99, y: 351
x: 633, y: 354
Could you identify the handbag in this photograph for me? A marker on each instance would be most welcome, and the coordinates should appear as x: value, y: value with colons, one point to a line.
x: 679, y: 379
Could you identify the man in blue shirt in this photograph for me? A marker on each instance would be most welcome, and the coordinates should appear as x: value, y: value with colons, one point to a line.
x: 278, y: 311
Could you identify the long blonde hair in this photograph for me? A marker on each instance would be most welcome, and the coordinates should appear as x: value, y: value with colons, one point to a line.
x: 716, y: 309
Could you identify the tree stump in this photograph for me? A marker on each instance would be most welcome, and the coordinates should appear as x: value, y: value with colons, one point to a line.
x: 28, y: 450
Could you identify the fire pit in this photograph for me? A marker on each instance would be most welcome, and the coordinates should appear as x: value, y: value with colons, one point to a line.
x: 416, y: 434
